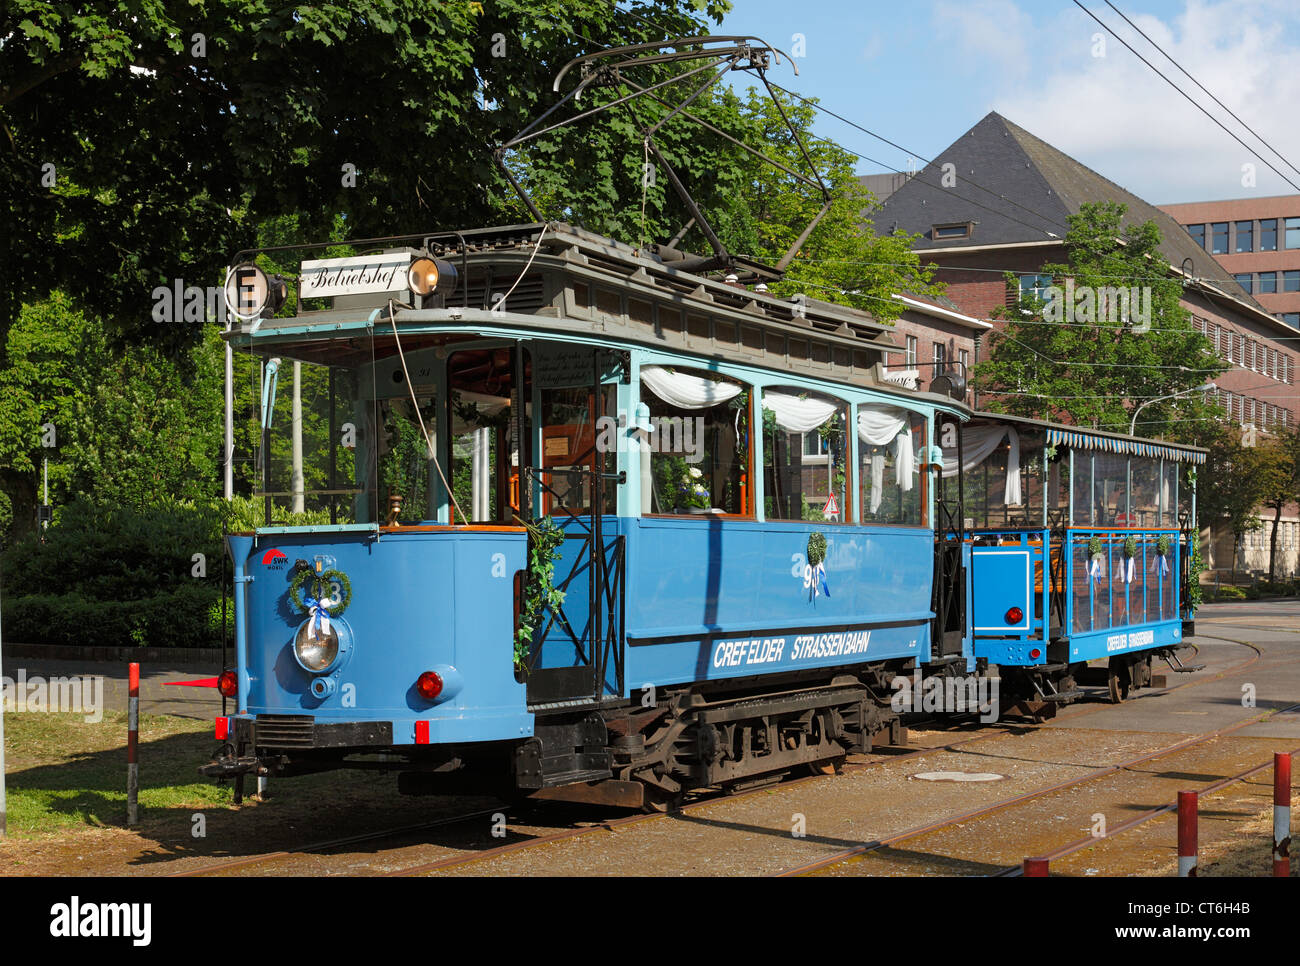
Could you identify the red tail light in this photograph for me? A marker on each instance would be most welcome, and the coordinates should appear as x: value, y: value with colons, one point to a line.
x: 429, y: 685
x: 228, y: 684
x: 1015, y: 615
x: 222, y: 730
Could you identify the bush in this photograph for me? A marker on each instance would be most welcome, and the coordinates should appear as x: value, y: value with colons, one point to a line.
x: 121, y: 576
x: 181, y: 618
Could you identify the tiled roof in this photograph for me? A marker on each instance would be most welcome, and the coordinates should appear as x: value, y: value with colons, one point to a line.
x: 1026, y: 189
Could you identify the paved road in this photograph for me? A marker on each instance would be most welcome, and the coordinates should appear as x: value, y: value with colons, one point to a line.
x: 155, y: 696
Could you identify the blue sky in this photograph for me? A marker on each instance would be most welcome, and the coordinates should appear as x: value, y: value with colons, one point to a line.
x: 923, y: 72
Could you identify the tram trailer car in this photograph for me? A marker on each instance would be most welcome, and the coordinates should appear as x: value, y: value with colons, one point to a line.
x: 740, y: 517
x: 1081, y: 544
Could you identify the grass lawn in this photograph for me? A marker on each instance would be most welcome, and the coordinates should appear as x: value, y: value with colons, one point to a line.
x: 66, y: 773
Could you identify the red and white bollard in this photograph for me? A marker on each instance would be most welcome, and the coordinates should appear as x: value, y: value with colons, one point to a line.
x: 132, y: 746
x: 1282, y: 816
x: 1187, y: 834
x: 1035, y: 869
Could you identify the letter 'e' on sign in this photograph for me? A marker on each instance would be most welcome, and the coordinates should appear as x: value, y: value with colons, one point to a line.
x: 246, y: 291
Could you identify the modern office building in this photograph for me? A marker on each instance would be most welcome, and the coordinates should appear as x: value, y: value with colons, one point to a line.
x: 1257, y: 240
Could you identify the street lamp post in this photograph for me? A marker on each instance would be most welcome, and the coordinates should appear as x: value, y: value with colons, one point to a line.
x: 1132, y: 426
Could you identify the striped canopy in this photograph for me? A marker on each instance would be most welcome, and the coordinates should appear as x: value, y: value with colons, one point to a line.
x: 1112, y: 444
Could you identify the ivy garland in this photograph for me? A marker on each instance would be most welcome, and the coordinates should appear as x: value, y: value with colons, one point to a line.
x: 816, y: 548
x: 320, y: 586
x: 544, y: 542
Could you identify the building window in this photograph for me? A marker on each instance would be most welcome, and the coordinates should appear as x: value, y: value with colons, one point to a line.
x: 1198, y: 233
x: 1267, y: 283
x: 911, y: 352
x: 962, y: 230
x: 1245, y: 236
x: 940, y: 357
x: 1219, y: 238
x: 1291, y: 280
x: 963, y: 356
x: 1292, y: 319
x: 1035, y: 286
x: 1244, y: 281
x: 1293, y: 233
x: 1268, y: 234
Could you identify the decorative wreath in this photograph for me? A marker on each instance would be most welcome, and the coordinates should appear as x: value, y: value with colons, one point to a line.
x: 1130, y: 546
x: 321, y: 586
x: 1094, y: 546
x: 816, y: 548
x: 1162, y: 544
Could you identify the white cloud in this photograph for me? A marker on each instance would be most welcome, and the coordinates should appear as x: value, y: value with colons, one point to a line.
x: 1114, y: 114
x: 985, y: 33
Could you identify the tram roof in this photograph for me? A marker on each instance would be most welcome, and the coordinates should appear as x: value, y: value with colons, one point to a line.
x: 1058, y: 434
x: 563, y: 281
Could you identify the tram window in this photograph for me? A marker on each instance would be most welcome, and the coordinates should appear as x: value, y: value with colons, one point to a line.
x: 405, y: 473
x: 805, y: 456
x: 483, y: 468
x: 1168, y: 493
x: 1144, y: 495
x: 1058, y: 488
x: 1085, y: 513
x: 1110, y: 491
x: 698, y: 442
x: 569, y: 449
x: 890, y: 444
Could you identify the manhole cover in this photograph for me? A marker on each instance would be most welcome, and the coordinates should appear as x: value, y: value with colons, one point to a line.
x: 959, y: 776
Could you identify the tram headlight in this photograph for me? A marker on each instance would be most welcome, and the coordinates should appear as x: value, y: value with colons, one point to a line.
x: 316, y: 651
x: 429, y: 275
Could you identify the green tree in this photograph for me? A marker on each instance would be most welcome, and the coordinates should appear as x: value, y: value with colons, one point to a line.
x: 1086, y: 370
x: 1279, y: 482
x: 1234, y: 484
x: 145, y: 141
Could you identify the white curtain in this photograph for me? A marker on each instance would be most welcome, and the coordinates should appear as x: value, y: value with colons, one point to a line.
x: 687, y: 392
x: 796, y: 415
x: 879, y: 426
x: 978, y: 443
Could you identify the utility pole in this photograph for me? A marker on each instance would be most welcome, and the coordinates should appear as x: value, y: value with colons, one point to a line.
x: 230, y: 417
x: 296, y: 485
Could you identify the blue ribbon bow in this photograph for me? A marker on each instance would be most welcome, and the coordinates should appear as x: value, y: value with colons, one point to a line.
x: 320, y: 615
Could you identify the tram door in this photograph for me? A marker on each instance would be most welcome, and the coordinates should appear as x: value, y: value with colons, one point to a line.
x: 576, y: 655
x: 951, y: 549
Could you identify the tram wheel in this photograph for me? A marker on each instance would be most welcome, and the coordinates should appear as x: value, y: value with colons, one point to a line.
x: 832, y: 766
x: 1119, y: 680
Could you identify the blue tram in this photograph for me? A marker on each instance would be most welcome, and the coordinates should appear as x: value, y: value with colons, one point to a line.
x: 548, y: 516
x: 1081, y: 543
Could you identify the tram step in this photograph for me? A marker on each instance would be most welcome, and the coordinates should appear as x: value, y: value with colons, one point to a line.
x: 1061, y: 697
x: 1047, y: 668
x: 1188, y: 668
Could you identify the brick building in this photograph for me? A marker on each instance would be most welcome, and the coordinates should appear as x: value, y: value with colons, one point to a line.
x: 1257, y: 240
x: 997, y: 200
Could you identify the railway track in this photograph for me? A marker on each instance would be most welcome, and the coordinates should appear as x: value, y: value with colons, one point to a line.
x: 913, y: 833
x: 461, y: 861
